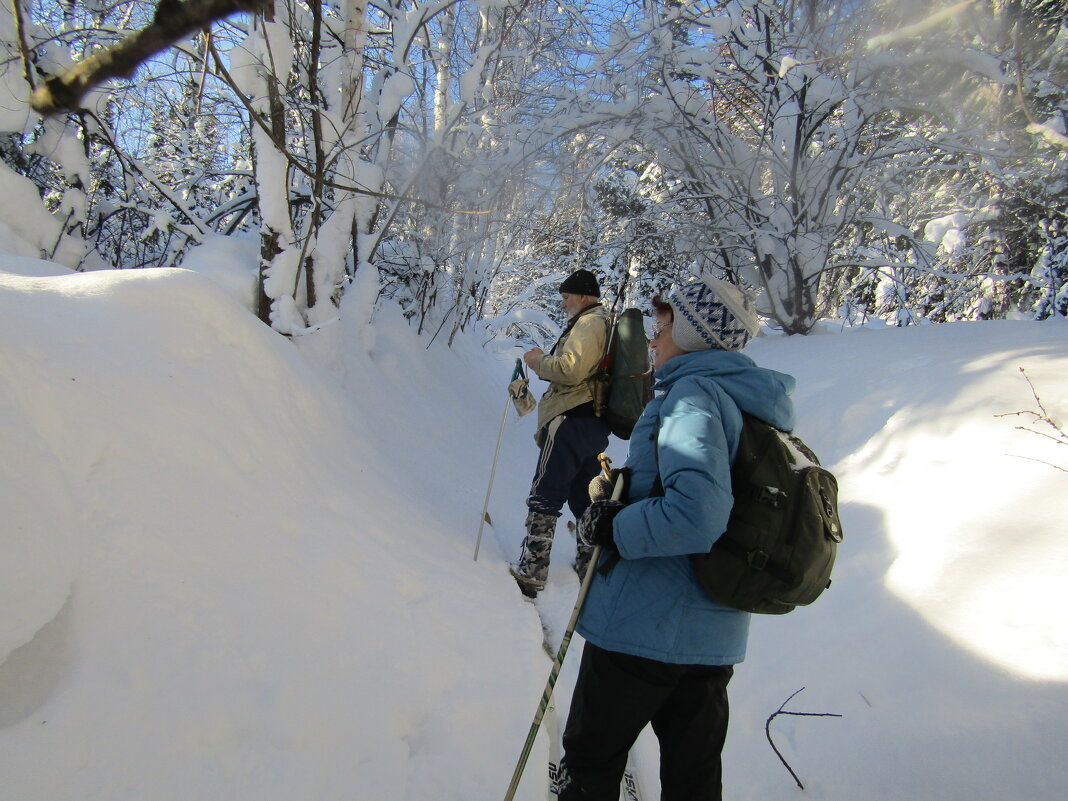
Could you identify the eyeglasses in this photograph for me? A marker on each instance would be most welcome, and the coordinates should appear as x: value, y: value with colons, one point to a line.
x: 658, y: 328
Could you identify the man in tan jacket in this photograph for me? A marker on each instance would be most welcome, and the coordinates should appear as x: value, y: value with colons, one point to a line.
x: 570, y: 435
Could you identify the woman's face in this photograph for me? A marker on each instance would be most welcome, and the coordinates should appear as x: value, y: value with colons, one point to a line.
x: 662, y: 344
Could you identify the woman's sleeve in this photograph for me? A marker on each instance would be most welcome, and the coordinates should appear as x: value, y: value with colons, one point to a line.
x: 694, y: 458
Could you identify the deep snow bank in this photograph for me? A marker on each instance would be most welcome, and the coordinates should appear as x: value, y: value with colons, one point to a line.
x: 262, y: 602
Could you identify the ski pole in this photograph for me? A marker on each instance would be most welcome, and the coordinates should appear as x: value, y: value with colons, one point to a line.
x: 496, y: 455
x: 493, y: 472
x: 554, y: 674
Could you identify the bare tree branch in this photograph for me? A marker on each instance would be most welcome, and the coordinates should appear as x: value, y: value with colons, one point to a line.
x: 174, y: 20
x: 24, y: 48
x: 1041, y: 416
x: 279, y: 142
x: 783, y: 711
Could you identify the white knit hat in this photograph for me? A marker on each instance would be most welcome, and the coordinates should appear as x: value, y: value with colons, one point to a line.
x: 712, y: 313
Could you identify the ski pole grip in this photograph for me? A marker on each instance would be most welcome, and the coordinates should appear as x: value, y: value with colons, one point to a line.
x: 606, y: 464
x: 617, y: 490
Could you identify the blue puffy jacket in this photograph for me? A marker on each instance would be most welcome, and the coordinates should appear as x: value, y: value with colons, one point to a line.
x: 649, y: 603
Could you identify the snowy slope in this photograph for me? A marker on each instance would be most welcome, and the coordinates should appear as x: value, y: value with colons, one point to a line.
x: 242, y: 564
x: 944, y: 638
x: 263, y: 605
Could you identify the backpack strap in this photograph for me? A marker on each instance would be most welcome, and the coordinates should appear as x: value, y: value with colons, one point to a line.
x: 571, y: 324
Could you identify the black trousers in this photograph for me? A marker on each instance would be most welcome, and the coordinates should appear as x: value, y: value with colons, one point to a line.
x: 616, y: 696
x: 566, y: 463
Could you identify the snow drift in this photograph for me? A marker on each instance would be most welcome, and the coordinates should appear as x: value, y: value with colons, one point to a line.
x: 258, y: 601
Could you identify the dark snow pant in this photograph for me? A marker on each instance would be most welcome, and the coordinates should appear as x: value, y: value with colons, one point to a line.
x: 567, y: 463
x: 616, y: 696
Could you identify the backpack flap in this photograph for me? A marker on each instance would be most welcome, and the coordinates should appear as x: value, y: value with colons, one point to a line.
x: 828, y: 494
x: 816, y: 532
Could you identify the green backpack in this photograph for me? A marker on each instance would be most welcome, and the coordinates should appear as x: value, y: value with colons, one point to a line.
x: 622, y: 385
x: 783, y: 532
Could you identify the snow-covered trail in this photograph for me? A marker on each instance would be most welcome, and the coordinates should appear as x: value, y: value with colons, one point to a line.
x: 238, y: 566
x: 944, y: 634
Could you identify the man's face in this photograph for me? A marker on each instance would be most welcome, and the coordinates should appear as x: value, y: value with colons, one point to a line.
x: 573, y: 304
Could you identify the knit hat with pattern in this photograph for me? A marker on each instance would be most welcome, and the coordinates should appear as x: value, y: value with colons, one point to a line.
x: 712, y: 313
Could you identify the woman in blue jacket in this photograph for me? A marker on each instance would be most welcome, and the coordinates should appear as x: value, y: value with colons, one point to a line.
x: 658, y: 649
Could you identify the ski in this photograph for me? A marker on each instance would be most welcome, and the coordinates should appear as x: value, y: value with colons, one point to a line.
x: 552, y: 729
x: 630, y: 790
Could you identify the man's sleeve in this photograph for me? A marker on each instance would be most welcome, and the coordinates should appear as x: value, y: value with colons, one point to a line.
x: 578, y: 358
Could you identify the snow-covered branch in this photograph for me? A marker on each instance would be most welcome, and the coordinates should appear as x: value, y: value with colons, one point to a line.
x: 174, y: 20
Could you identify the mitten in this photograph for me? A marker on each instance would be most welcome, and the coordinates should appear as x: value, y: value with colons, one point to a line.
x: 602, y: 486
x: 595, y: 525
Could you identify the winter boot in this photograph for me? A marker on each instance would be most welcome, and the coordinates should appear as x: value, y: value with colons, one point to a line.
x: 533, y: 568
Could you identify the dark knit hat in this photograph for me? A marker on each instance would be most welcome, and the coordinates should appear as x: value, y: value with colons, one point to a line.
x: 581, y: 282
x: 712, y: 313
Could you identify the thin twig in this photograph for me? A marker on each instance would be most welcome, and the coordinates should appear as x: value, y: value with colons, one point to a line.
x: 1041, y: 416
x: 1041, y: 406
x: 782, y: 711
x: 1040, y: 461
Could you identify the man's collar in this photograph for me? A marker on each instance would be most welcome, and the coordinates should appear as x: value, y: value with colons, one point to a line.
x: 589, y: 308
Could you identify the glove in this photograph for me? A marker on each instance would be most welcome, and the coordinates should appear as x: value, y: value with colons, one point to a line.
x: 602, y: 486
x: 521, y: 398
x: 595, y: 525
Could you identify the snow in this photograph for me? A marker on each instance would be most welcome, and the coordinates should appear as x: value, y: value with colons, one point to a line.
x: 786, y: 65
x: 395, y: 90
x: 37, y: 230
x: 230, y: 261
x: 948, y: 231
x: 258, y: 594
x: 1050, y: 132
x: 473, y: 81
x: 235, y: 565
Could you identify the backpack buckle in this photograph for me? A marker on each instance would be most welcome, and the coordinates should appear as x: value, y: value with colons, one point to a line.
x: 769, y: 496
x: 758, y: 560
